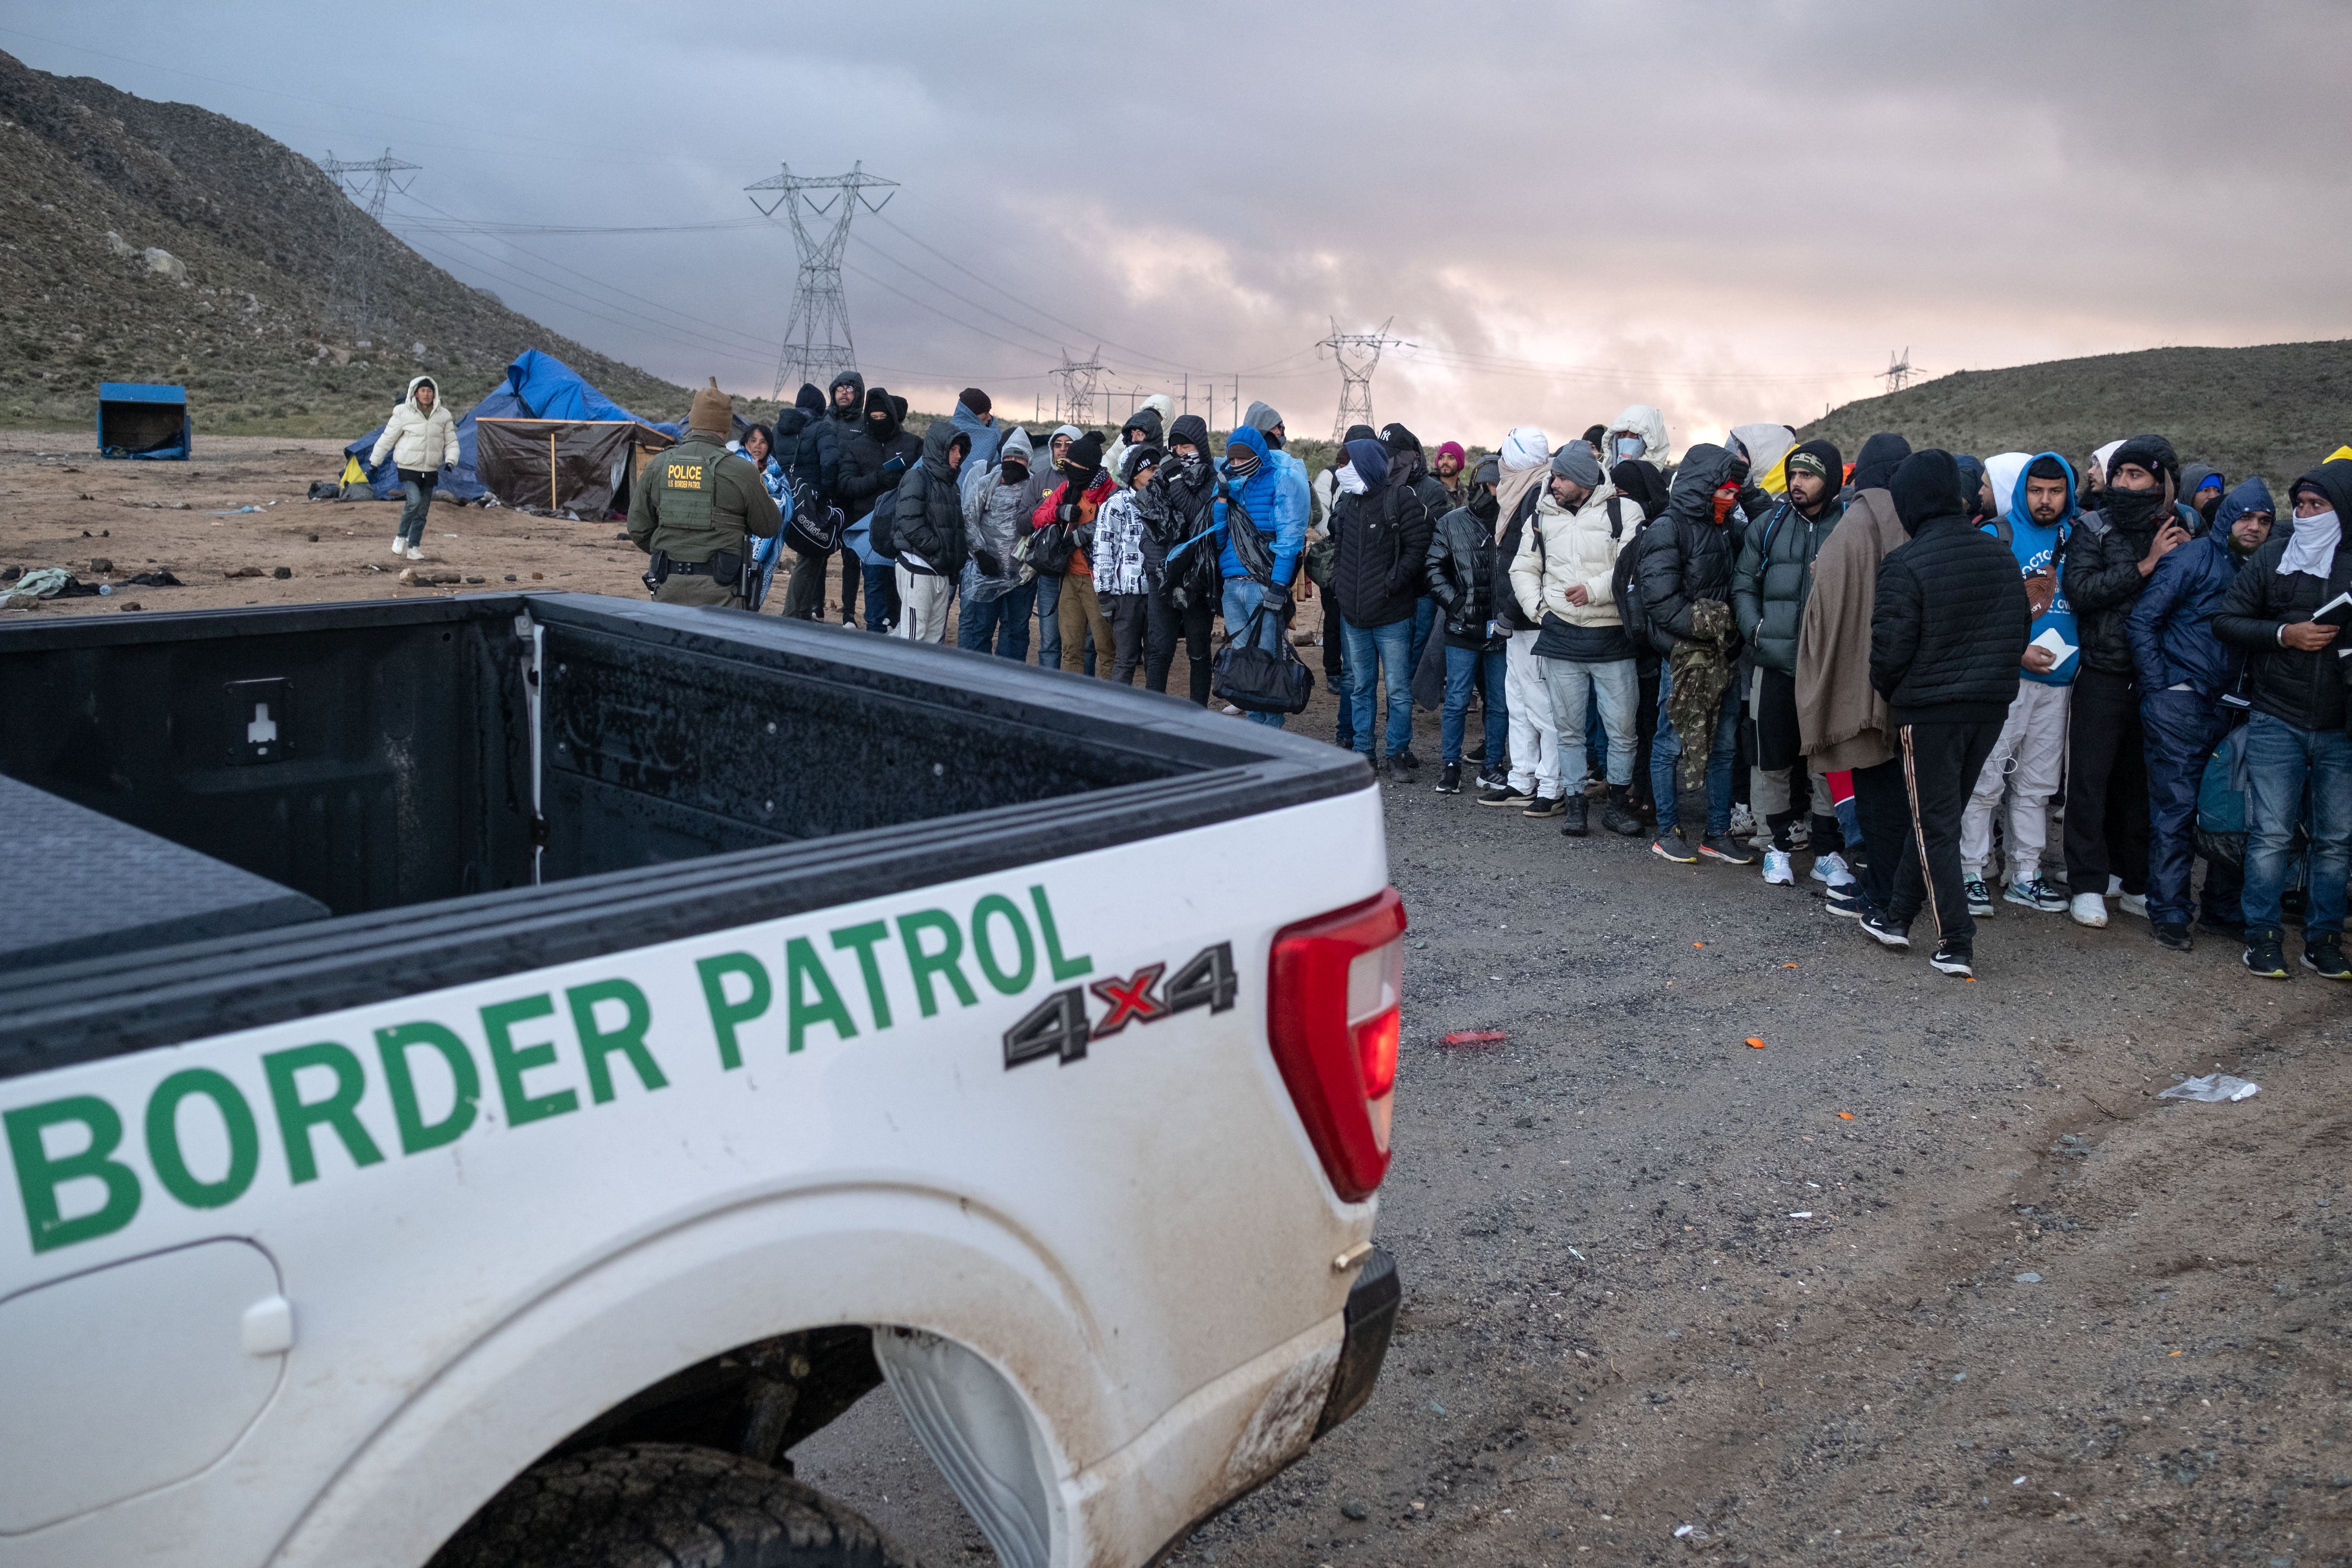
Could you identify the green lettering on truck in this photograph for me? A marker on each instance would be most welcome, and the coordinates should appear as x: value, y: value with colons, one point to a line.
x: 997, y: 906
x: 416, y: 1135
x: 922, y: 966
x: 510, y: 1061
x: 1064, y: 968
x: 629, y: 1040
x: 163, y: 1139
x: 339, y: 1112
x: 863, y: 938
x: 810, y: 996
x: 727, y: 1016
x: 39, y: 1176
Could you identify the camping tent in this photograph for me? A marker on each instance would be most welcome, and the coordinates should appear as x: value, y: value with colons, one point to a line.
x: 581, y: 465
x: 538, y: 386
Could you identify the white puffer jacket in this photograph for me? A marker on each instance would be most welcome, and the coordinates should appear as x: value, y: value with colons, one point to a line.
x: 1576, y: 550
x: 418, y: 441
x: 1638, y: 419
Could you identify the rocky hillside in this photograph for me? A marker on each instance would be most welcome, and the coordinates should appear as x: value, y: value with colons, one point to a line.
x: 2275, y: 410
x: 144, y: 241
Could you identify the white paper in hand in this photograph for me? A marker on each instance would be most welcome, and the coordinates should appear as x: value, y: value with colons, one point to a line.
x: 2059, y: 648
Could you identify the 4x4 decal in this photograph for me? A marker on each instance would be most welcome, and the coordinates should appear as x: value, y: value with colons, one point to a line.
x: 1058, y: 1026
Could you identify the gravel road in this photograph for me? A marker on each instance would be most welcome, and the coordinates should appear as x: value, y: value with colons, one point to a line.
x: 1655, y: 1279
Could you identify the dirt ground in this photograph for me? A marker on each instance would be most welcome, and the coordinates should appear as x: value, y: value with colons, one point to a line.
x: 1655, y: 1277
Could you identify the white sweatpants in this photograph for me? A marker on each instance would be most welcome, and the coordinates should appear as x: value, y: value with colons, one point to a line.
x: 922, y: 605
x: 1535, y: 740
x: 2026, y: 765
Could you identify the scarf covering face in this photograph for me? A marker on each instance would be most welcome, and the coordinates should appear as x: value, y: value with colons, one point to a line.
x: 1702, y: 674
x: 2311, y: 548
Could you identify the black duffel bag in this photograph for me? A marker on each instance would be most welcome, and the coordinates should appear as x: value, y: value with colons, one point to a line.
x: 816, y: 526
x: 1261, y: 679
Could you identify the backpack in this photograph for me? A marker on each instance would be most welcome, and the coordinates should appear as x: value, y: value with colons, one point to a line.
x: 880, y: 525
x: 1626, y: 578
x: 1506, y: 550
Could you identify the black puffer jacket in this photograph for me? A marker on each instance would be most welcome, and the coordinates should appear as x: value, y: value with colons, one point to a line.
x: 1951, y: 618
x: 930, y: 513
x: 2103, y: 580
x: 1460, y: 570
x: 862, y: 477
x: 2306, y: 690
x: 1686, y: 555
x: 1384, y: 553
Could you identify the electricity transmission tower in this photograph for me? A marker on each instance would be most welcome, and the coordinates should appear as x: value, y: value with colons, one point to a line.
x: 1898, y: 371
x: 1357, y: 354
x: 1077, y: 394
x: 359, y: 224
x: 816, y: 335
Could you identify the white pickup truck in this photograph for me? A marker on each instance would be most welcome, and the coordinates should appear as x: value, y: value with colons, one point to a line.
x: 483, y: 1079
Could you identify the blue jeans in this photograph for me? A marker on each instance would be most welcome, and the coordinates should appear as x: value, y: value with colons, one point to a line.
x: 1608, y: 694
x: 1049, y: 625
x: 1466, y: 667
x: 1240, y: 600
x: 1425, y: 621
x: 2181, y: 728
x: 1666, y: 751
x: 881, y: 595
x: 1006, y: 618
x: 419, y: 495
x: 2280, y: 762
x: 1376, y: 654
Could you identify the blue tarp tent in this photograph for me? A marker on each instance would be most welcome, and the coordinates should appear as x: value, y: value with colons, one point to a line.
x: 538, y: 386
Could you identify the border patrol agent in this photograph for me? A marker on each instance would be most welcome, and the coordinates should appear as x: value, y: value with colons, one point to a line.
x: 693, y: 507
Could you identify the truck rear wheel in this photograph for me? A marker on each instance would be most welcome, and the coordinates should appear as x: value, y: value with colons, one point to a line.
x: 664, y: 1505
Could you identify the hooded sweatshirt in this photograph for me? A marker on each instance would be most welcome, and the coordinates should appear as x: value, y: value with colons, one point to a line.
x: 856, y: 412
x: 996, y: 512
x: 1841, y: 716
x: 2038, y: 549
x: 420, y: 443
x: 1154, y: 416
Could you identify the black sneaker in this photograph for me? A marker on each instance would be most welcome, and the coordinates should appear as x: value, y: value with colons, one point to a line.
x: 1477, y: 753
x: 1406, y: 760
x: 1846, y: 899
x: 1576, y: 806
x: 1546, y: 805
x: 1670, y: 845
x: 1724, y: 847
x: 1952, y: 961
x: 1885, y: 931
x: 1503, y: 794
x: 2173, y: 934
x: 2266, y: 954
x: 1449, y: 779
x: 2323, y: 957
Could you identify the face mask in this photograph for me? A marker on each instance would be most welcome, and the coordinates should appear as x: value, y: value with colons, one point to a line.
x: 1724, y: 496
x: 1350, y: 480
x: 1629, y: 447
x: 2132, y: 508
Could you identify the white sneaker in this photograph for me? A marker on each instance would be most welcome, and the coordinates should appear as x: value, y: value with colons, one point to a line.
x: 415, y: 553
x: 1832, y: 868
x: 1232, y: 712
x: 399, y: 546
x: 2088, y: 910
x: 1743, y: 821
x: 1777, y: 872
x: 2134, y: 904
x: 2115, y: 884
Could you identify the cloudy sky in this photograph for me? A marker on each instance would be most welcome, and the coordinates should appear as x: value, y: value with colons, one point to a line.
x: 1736, y: 211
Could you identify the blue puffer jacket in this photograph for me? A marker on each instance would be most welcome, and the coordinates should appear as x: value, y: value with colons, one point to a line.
x: 2171, y: 623
x: 1275, y: 502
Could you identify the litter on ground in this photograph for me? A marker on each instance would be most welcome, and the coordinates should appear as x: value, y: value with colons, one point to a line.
x: 2212, y: 1089
x: 1476, y: 1037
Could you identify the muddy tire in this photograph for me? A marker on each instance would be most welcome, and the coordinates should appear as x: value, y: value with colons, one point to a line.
x: 664, y: 1505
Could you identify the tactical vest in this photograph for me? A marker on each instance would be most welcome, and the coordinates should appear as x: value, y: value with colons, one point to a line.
x: 686, y: 486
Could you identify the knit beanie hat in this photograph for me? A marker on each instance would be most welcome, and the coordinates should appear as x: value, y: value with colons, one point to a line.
x: 1818, y: 457
x: 1575, y: 462
x: 711, y: 411
x: 1454, y: 449
x: 2153, y: 453
x: 1085, y: 456
x: 972, y: 397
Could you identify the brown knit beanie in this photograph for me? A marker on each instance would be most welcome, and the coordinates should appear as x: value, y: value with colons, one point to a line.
x: 712, y: 411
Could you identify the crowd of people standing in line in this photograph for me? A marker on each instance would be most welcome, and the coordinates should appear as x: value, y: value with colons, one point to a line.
x: 1883, y: 663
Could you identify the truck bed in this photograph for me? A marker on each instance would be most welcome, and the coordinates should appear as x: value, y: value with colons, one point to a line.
x: 669, y: 770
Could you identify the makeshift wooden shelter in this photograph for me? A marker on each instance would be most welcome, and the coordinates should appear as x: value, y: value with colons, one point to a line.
x: 584, y: 467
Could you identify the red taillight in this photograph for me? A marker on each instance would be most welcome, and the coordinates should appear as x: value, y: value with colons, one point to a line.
x: 1334, y: 1018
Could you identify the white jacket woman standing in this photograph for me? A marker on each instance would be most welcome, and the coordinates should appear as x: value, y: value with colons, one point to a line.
x: 422, y: 440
